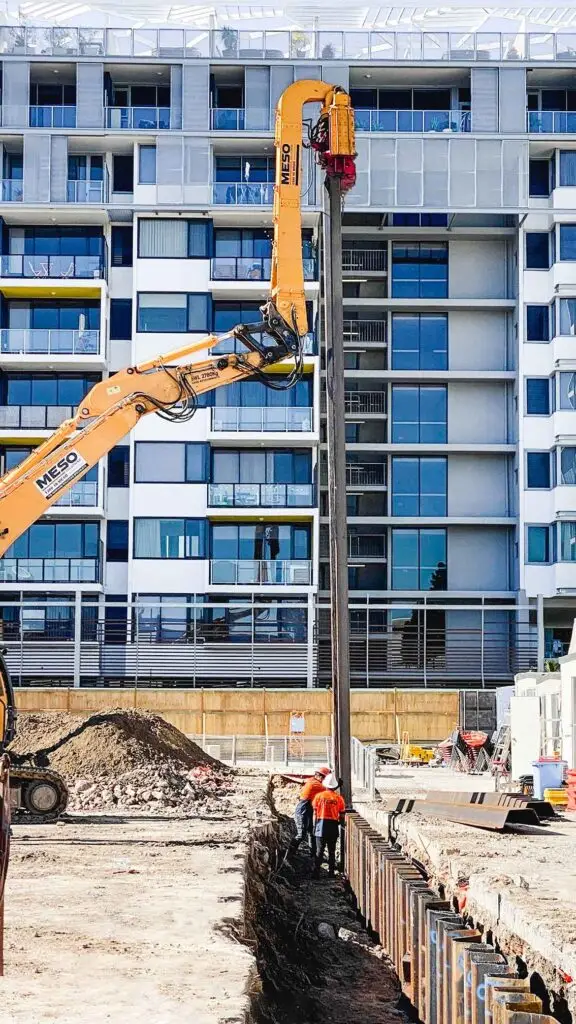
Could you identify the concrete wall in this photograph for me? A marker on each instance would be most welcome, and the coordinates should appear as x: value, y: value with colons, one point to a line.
x: 477, y: 485
x: 477, y: 413
x: 477, y: 339
x: 478, y: 558
x: 477, y: 269
x: 427, y: 715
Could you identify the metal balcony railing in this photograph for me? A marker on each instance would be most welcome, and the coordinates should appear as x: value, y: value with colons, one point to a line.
x: 370, y: 331
x: 227, y: 119
x: 85, y: 192
x: 20, y: 341
x: 12, y: 190
x: 551, y: 122
x: 33, y: 417
x: 261, y: 495
x: 269, y: 572
x: 84, y: 494
x: 251, y: 268
x: 277, y: 419
x: 369, y: 474
x: 52, y: 117
x: 242, y: 193
x: 367, y: 546
x: 139, y: 118
x: 412, y: 120
x: 369, y: 260
x: 52, y: 266
x: 371, y: 402
x: 49, y: 570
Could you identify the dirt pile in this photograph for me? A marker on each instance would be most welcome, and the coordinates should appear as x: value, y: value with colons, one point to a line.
x: 124, y: 759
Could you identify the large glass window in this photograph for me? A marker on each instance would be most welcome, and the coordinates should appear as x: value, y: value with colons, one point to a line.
x: 567, y: 391
x: 538, y: 471
x: 169, y: 616
x: 568, y: 542
x: 169, y: 538
x: 38, y: 314
x: 119, y: 466
x: 171, y: 462
x: 57, y: 540
x: 568, y: 465
x: 538, y: 323
x: 567, y: 317
x: 254, y: 395
x: 568, y: 241
x: 45, y: 389
x: 537, y: 396
x: 419, y: 487
x: 419, y: 415
x: 537, y: 250
x: 173, y: 312
x: 147, y: 165
x: 420, y: 270
x: 55, y: 241
x: 260, y: 541
x: 244, y: 168
x: 419, y: 341
x: 538, y: 547
x: 567, y: 168
x: 419, y: 560
x: 174, y: 239
x: 243, y: 242
x: 277, y: 466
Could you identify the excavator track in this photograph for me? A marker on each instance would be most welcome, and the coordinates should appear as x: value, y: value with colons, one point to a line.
x: 43, y: 795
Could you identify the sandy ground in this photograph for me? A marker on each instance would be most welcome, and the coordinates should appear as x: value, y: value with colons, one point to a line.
x: 122, y: 918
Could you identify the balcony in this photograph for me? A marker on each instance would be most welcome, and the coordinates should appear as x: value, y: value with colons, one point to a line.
x: 412, y: 121
x: 369, y: 261
x: 84, y: 494
x: 12, y: 190
x: 248, y: 268
x: 368, y: 474
x: 551, y: 122
x: 85, y: 192
x: 247, y: 573
x: 240, y: 193
x: 49, y: 570
x: 372, y: 403
x: 66, y: 267
x: 17, y: 341
x: 227, y: 119
x: 139, y: 118
x: 227, y: 345
x: 369, y: 545
x: 276, y: 419
x: 261, y: 495
x: 52, y: 117
x: 367, y: 331
x: 34, y: 417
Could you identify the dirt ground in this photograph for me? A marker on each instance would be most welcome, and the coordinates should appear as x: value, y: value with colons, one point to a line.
x: 122, y: 917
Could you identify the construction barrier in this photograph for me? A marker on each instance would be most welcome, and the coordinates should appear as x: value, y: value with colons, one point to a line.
x: 5, y: 819
x: 446, y: 971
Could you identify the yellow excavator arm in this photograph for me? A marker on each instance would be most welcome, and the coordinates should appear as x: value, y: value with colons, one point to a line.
x: 166, y: 385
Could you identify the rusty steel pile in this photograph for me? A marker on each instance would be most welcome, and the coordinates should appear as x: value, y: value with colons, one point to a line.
x: 447, y: 971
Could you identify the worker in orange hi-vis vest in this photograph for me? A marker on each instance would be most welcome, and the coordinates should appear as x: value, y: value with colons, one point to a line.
x: 303, y: 816
x: 329, y: 808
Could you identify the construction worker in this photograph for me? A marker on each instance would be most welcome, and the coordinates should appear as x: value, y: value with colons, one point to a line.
x: 329, y: 808
x: 303, y: 815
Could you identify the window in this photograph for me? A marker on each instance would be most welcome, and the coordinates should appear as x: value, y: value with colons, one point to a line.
x: 538, y: 396
x: 568, y: 465
x: 119, y: 466
x: 568, y: 241
x: 538, y: 323
x: 173, y: 312
x: 171, y: 462
x: 244, y: 168
x: 163, y: 239
x: 419, y: 560
x: 567, y: 167
x: 121, y: 247
x: 169, y: 616
x: 538, y: 546
x: 45, y: 389
x: 199, y: 239
x: 541, y: 180
x: 419, y: 342
x: 169, y: 538
x: 419, y: 487
x: 53, y: 314
x: 57, y: 241
x: 117, y: 540
x: 251, y: 394
x: 419, y: 415
x: 420, y: 271
x: 120, y: 319
x: 57, y: 540
x: 568, y: 317
x: 419, y: 220
x: 568, y: 542
x: 247, y: 242
x: 538, y: 473
x: 147, y: 165
x: 260, y: 541
x: 123, y: 174
x: 277, y: 466
x: 567, y: 391
x: 537, y: 250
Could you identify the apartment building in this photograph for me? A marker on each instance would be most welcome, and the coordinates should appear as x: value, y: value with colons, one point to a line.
x: 137, y: 186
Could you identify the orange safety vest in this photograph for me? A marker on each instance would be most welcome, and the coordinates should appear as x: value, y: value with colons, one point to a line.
x: 328, y: 805
x: 310, y: 789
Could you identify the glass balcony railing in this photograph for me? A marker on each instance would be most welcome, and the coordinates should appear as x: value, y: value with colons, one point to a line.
x: 373, y: 331
x: 139, y: 118
x: 412, y: 120
x: 68, y: 267
x: 551, y: 122
x: 49, y: 570
x: 247, y: 572
x: 261, y: 495
x: 309, y: 347
x: 33, y: 417
x: 276, y: 419
x: 52, y: 117
x: 251, y: 268
x: 21, y: 341
x: 240, y: 193
x: 84, y: 494
x: 227, y: 119
x: 85, y: 192
x: 366, y: 260
x: 12, y: 190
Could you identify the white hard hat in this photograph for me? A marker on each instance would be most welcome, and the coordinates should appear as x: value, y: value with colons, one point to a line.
x: 331, y: 782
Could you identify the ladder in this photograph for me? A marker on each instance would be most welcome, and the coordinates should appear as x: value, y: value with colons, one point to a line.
x: 500, y: 760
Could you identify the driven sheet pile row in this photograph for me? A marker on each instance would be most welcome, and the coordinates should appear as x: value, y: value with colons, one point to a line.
x: 447, y: 971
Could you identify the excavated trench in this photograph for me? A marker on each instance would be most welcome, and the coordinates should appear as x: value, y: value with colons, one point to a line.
x: 316, y: 964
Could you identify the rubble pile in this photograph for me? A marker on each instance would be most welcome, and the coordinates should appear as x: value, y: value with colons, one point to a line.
x: 162, y: 788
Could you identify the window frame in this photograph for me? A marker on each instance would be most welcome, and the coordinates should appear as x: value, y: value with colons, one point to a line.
x: 188, y: 295
x: 420, y: 494
x: 549, y: 393
x: 419, y: 387
x: 209, y: 238
x: 186, y: 445
x: 551, y: 481
x: 397, y: 316
x: 126, y: 467
x: 549, y: 254
x: 147, y: 146
x: 539, y: 341
x: 419, y: 530
x: 550, y: 542
x: 122, y: 554
x: 202, y: 536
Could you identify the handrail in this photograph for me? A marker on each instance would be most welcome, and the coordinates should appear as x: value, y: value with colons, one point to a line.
x: 17, y: 265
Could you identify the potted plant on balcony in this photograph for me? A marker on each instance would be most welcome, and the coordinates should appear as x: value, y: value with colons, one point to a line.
x: 300, y: 44
x: 230, y: 42
x: 328, y: 52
